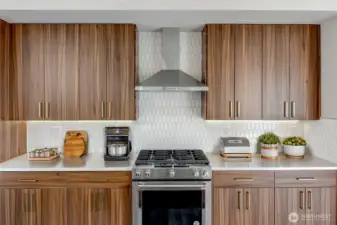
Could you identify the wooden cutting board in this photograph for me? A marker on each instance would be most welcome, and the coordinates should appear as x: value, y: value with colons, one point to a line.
x: 75, y: 143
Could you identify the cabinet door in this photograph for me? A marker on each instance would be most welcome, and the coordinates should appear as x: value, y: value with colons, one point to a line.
x: 21, y: 206
x: 228, y: 206
x: 248, y: 72
x: 31, y: 40
x: 218, y: 71
x: 259, y: 206
x: 53, y: 206
x: 290, y: 206
x: 62, y: 72
x: 275, y: 86
x: 102, y: 206
x: 33, y: 206
x: 304, y: 72
x: 121, y: 71
x: 320, y: 206
x: 92, y: 71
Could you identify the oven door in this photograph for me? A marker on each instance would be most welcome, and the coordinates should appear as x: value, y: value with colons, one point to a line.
x: 171, y: 203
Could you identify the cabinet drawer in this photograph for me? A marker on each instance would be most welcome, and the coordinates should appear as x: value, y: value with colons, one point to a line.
x: 243, y: 179
x: 305, y: 178
x: 31, y: 179
x: 98, y: 179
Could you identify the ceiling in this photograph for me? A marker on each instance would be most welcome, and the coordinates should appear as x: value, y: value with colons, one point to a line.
x: 149, y: 20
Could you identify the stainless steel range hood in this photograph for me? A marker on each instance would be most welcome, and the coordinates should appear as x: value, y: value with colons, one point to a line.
x: 171, y: 79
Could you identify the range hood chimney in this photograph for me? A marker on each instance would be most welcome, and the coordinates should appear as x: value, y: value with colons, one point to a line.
x: 171, y: 79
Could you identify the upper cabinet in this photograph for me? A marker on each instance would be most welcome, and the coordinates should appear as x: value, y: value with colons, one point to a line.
x: 76, y: 71
x: 275, y: 74
x: 218, y: 71
x: 304, y: 72
x: 248, y: 72
x: 121, y: 72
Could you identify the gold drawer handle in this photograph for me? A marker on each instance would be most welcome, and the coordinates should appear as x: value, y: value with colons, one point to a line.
x: 98, y: 181
x: 243, y: 179
x: 305, y: 178
x: 27, y: 181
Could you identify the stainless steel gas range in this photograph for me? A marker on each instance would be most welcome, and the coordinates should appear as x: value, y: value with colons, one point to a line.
x: 171, y: 187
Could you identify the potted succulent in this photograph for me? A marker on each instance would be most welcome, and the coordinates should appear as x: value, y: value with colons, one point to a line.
x: 269, y: 145
x: 294, y: 147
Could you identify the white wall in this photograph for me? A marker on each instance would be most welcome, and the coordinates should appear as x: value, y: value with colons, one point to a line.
x: 321, y: 135
x: 166, y: 119
x: 329, y: 68
x: 171, y: 4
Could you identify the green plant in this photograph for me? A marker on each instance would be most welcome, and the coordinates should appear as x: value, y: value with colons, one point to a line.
x: 296, y: 141
x: 269, y: 139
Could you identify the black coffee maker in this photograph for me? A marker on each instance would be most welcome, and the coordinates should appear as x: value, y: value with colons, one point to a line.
x: 117, y: 143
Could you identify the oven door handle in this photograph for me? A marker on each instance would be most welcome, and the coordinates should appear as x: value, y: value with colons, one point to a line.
x: 171, y: 186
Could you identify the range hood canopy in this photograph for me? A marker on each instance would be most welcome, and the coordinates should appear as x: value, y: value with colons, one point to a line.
x: 171, y: 79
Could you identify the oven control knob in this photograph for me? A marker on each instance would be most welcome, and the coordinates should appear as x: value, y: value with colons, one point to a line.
x: 147, y: 173
x: 196, y: 174
x: 172, y: 173
x: 138, y: 174
x: 205, y: 174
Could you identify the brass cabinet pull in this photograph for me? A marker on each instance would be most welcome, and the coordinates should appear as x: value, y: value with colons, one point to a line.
x: 247, y: 200
x: 98, y: 181
x: 285, y: 110
x: 109, y: 110
x: 238, y: 109
x: 47, y: 109
x: 102, y: 110
x: 293, y: 109
x: 305, y: 178
x: 243, y: 179
x: 40, y: 110
x: 309, y: 199
x: 230, y: 109
x: 239, y: 199
x: 27, y: 181
x: 301, y: 199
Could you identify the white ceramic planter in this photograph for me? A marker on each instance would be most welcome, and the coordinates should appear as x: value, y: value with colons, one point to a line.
x: 269, y: 151
x: 294, y: 151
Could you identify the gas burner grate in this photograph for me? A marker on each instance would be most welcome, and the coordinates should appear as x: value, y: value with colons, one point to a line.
x: 174, y: 157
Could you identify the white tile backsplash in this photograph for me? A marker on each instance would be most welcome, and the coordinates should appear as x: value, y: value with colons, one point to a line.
x: 321, y: 136
x: 165, y: 119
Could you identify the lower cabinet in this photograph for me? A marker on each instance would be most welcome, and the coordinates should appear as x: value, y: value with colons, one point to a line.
x: 81, y: 198
x: 305, y: 206
x: 243, y: 206
x: 23, y: 206
x: 103, y: 206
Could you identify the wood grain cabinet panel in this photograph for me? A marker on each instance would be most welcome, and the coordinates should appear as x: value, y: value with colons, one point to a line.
x: 304, y: 72
x: 248, y: 71
x: 92, y: 69
x: 320, y: 206
x: 104, y: 206
x: 275, y: 88
x: 12, y: 139
x: 218, y: 71
x: 121, y: 71
x: 31, y: 63
x: 289, y: 206
x: 22, y: 206
x: 258, y: 206
x: 243, y: 206
x: 61, y: 72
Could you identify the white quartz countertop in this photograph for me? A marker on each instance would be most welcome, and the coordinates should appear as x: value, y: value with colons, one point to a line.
x: 256, y: 163
x: 95, y: 162
x: 90, y: 162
